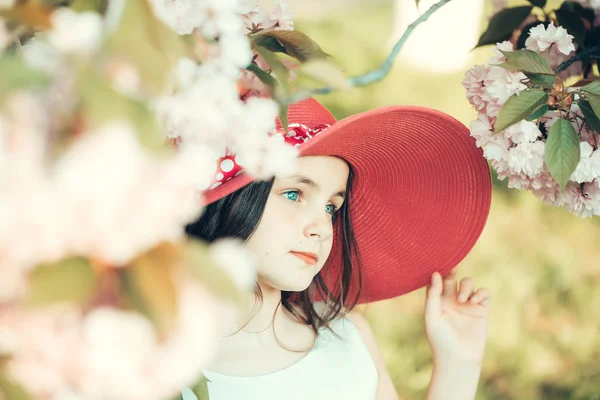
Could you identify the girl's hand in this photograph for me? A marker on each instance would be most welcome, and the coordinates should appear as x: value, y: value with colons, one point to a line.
x: 456, y: 319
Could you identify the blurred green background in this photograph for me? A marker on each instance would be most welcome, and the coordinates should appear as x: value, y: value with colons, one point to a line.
x: 541, y: 264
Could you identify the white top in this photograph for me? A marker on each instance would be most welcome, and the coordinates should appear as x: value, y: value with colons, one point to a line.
x: 333, y: 369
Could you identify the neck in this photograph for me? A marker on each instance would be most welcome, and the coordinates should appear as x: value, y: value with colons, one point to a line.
x: 258, y: 314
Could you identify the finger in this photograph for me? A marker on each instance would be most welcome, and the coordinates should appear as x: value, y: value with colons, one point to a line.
x: 434, y: 292
x: 434, y: 289
x: 466, y: 289
x: 482, y: 294
x: 450, y: 284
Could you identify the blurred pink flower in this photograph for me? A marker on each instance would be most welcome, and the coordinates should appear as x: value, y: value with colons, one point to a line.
x: 236, y: 260
x: 44, y: 344
x: 4, y: 37
x: 282, y: 16
x: 111, y: 353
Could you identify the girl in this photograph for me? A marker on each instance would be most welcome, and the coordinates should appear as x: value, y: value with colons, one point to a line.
x: 382, y: 203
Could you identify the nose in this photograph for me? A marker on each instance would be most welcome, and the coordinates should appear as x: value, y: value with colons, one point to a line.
x: 318, y: 226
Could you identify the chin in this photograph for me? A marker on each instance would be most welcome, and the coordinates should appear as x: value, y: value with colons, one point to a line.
x: 297, y: 286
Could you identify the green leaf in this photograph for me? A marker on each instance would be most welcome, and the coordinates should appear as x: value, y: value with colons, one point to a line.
x: 590, y: 117
x: 593, y: 87
x: 200, y: 389
x: 283, y: 115
x: 294, y: 43
x: 518, y: 107
x: 326, y: 73
x: 204, y: 268
x: 72, y: 279
x: 147, y: 43
x: 99, y: 6
x: 503, y: 24
x: 540, y: 112
x: 572, y: 22
x: 264, y: 76
x: 538, y: 3
x: 11, y: 391
x: 103, y: 104
x: 594, y: 101
x: 17, y: 75
x: 270, y: 43
x: 526, y: 61
x: 149, y: 283
x: 281, y: 72
x: 545, y: 81
x: 562, y: 151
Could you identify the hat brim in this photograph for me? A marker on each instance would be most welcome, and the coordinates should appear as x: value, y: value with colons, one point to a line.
x: 420, y: 196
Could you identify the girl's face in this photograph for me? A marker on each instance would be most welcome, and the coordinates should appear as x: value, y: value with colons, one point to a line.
x: 298, y: 218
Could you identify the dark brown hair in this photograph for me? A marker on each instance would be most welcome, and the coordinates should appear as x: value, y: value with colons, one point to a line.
x: 238, y: 215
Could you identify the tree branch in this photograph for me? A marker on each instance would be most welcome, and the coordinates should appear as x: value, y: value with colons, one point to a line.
x: 591, y: 53
x: 379, y: 73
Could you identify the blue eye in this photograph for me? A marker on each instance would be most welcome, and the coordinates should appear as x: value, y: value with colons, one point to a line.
x: 294, y: 195
x: 293, y: 192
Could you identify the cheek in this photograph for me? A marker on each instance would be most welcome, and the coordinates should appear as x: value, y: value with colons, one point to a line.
x: 273, y: 233
x: 328, y: 245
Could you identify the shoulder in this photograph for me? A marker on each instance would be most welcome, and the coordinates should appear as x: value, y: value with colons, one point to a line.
x: 366, y: 333
x: 386, y: 389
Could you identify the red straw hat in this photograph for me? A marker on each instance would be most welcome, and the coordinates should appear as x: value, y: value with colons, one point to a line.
x: 420, y: 197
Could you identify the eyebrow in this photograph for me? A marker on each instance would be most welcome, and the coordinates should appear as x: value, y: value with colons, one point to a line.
x: 307, y: 181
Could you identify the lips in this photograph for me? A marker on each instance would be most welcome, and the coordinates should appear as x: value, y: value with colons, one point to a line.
x: 309, y: 258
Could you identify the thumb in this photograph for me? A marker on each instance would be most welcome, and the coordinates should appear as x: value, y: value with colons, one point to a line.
x: 433, y: 304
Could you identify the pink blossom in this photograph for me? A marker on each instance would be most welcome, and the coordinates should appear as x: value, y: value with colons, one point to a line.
x: 523, y: 132
x: 256, y: 16
x: 498, y: 57
x: 493, y: 109
x: 545, y: 187
x: 473, y: 81
x: 588, y: 168
x: 481, y: 130
x: 502, y: 84
x: 527, y: 158
x: 518, y: 181
x: 582, y: 200
x: 541, y: 38
x: 496, y: 150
